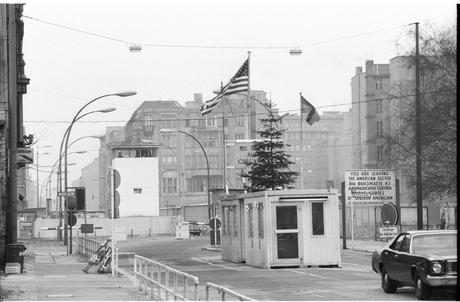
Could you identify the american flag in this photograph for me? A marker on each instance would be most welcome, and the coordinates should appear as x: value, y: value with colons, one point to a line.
x: 238, y: 83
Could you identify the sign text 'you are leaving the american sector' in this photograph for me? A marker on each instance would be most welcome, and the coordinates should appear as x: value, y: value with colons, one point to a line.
x: 370, y: 186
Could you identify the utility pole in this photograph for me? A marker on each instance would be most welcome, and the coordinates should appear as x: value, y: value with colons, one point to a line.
x: 418, y: 139
x: 11, y: 218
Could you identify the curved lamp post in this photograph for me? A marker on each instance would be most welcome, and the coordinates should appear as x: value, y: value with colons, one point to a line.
x: 59, y: 187
x: 75, y: 118
x: 205, y: 156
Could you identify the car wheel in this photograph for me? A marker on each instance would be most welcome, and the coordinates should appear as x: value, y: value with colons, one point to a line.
x: 388, y: 285
x: 422, y: 290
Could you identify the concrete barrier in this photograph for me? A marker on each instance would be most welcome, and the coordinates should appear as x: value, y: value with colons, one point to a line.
x: 150, y: 226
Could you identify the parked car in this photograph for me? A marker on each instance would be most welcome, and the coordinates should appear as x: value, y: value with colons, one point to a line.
x: 195, y: 229
x: 422, y: 259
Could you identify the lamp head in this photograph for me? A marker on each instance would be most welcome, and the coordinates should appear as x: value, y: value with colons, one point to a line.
x: 107, y: 110
x: 165, y: 130
x: 126, y: 93
x: 80, y: 152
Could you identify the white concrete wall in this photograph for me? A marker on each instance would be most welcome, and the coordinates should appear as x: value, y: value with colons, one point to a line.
x: 140, y: 174
x: 158, y: 225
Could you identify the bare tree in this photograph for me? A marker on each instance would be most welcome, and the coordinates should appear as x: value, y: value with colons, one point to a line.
x: 438, y: 69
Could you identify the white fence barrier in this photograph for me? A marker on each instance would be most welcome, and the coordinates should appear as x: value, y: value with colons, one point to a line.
x: 163, y: 281
x: 223, y: 293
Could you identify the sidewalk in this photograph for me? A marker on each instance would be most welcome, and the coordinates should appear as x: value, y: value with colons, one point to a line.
x: 50, y: 274
x: 364, y: 245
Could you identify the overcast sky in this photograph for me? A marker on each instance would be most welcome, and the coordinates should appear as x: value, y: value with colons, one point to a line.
x: 68, y: 68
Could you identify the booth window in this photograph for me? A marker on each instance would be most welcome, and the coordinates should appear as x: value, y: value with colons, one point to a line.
x: 235, y: 221
x: 224, y: 221
x: 250, y: 221
x: 317, y: 218
x: 260, y: 219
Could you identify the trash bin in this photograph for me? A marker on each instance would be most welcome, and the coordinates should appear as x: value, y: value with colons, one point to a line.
x: 14, y: 254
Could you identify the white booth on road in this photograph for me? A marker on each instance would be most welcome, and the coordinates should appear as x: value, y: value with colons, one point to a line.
x: 282, y: 228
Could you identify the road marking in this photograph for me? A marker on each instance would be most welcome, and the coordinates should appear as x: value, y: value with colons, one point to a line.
x: 353, y: 264
x: 60, y: 296
x: 218, y: 265
x: 310, y: 274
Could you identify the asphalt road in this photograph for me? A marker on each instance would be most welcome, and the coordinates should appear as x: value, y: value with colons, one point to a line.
x: 355, y: 280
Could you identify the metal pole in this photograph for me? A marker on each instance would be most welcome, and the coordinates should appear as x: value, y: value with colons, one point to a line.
x: 11, y: 217
x: 344, y: 217
x: 301, y: 144
x: 418, y: 138
x: 224, y: 146
x: 38, y: 186
x: 248, y: 100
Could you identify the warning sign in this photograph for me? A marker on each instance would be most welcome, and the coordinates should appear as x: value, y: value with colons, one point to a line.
x: 370, y: 186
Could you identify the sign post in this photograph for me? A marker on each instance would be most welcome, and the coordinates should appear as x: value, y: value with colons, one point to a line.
x: 369, y: 187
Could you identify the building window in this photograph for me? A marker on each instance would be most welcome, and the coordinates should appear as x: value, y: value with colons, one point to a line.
x: 379, y: 128
x: 168, y: 121
x: 224, y: 220
x: 170, y: 185
x: 379, y: 84
x: 239, y: 136
x: 379, y: 153
x: 235, y: 221
x: 240, y: 121
x: 137, y: 190
x: 317, y: 218
x: 210, y: 121
x: 379, y: 106
x: 187, y: 123
x: 243, y: 148
x: 148, y: 120
x: 260, y: 219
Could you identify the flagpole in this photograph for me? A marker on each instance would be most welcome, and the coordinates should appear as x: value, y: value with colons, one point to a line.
x: 248, y: 99
x: 301, y: 143
x: 223, y: 138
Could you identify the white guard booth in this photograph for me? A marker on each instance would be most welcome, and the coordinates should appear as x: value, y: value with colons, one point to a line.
x: 282, y: 228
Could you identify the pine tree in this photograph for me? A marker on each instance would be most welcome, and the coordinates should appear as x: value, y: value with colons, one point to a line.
x: 270, y: 169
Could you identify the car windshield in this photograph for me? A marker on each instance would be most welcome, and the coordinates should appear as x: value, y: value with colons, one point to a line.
x: 431, y: 242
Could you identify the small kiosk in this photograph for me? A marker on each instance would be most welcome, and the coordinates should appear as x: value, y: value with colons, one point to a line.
x: 282, y: 228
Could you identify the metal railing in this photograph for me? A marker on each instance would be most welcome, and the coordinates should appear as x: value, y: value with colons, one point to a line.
x: 223, y: 293
x: 87, y: 247
x: 163, y: 281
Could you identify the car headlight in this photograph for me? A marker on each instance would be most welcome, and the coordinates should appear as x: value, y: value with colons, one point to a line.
x: 436, y: 267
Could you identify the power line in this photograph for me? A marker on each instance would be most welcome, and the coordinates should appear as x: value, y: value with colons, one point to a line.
x: 201, y: 46
x: 401, y: 97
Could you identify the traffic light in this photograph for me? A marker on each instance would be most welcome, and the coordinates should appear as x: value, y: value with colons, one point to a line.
x: 80, y: 196
x: 77, y: 200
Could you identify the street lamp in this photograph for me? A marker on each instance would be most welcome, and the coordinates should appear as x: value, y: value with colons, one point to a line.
x: 59, y: 187
x: 207, y: 162
x: 38, y: 189
x: 75, y: 118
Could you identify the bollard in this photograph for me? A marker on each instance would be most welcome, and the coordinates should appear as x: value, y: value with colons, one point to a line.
x: 132, y: 235
x: 150, y: 232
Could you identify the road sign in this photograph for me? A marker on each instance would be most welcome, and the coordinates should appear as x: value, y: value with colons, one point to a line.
x: 375, y: 186
x: 389, y: 214
x: 25, y: 156
x: 86, y: 228
x: 71, y: 219
x: 388, y: 232
x: 214, y: 223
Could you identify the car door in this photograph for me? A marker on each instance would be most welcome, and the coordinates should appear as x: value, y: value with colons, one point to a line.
x: 389, y: 256
x: 404, y: 261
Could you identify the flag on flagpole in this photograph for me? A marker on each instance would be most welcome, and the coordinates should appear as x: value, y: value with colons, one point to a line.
x: 309, y: 109
x: 238, y: 83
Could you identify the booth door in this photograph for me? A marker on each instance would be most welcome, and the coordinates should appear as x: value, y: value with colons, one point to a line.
x: 287, y: 247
